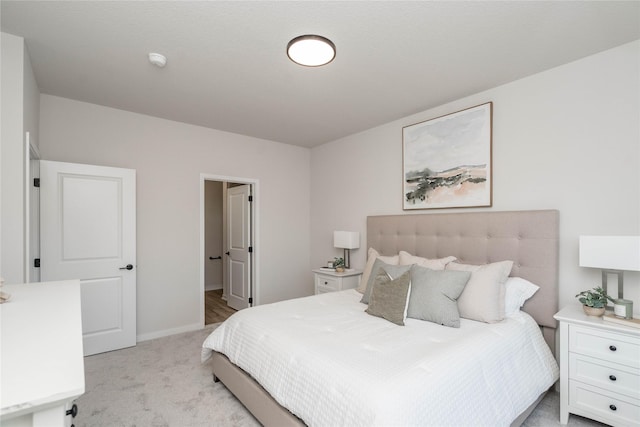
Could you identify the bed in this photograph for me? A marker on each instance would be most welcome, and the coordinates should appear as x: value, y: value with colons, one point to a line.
x: 376, y: 374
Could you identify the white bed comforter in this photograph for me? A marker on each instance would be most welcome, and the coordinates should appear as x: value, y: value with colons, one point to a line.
x: 332, y: 364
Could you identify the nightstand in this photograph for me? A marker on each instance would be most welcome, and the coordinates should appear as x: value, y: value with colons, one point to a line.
x: 599, y: 369
x: 330, y: 281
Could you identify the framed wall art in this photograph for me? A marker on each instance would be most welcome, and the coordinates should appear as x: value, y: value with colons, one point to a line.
x: 446, y: 161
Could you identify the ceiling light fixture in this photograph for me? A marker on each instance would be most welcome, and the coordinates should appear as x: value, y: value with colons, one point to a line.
x: 158, y: 60
x: 311, y: 50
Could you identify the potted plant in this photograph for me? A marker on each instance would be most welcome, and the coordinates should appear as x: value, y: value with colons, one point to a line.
x: 338, y: 264
x: 594, y: 301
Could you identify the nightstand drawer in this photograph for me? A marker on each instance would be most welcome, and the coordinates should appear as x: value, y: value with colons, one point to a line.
x: 616, y: 409
x: 327, y: 284
x: 611, y: 346
x: 328, y: 281
x: 609, y: 376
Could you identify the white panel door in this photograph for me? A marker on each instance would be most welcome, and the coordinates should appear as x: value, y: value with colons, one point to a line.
x: 88, y: 232
x: 239, y: 242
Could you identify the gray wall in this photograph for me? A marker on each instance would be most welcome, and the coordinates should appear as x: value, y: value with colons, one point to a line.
x: 169, y: 158
x: 213, y: 234
x: 566, y: 139
x: 20, y: 114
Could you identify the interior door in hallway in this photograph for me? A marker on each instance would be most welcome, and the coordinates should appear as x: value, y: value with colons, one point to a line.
x: 88, y: 232
x: 239, y: 246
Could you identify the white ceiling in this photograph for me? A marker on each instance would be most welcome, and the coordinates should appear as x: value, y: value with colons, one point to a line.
x: 228, y: 70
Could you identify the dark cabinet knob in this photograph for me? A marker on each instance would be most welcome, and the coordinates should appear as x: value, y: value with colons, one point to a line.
x: 613, y: 407
x: 612, y: 348
x: 612, y: 377
x: 73, y: 411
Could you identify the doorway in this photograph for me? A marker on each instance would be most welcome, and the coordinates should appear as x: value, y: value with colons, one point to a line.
x: 228, y: 255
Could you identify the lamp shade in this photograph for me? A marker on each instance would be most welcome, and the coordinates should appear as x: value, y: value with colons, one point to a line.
x: 610, y: 252
x: 346, y: 239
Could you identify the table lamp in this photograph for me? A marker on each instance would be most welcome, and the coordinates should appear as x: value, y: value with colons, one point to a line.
x: 612, y: 254
x: 346, y: 240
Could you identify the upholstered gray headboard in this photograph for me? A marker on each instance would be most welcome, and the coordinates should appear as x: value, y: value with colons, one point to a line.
x: 529, y: 238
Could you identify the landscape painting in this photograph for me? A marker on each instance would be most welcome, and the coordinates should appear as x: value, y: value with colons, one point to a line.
x: 447, y: 160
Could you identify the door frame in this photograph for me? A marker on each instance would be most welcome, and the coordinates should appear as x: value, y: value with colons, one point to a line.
x: 31, y: 154
x: 255, y: 223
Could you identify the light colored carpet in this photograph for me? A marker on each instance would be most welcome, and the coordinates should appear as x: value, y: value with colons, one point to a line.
x: 162, y: 383
x: 159, y: 382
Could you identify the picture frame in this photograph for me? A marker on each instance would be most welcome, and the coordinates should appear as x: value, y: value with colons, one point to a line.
x: 447, y: 160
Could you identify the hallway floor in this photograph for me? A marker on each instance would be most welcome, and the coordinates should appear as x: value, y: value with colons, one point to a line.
x: 215, y: 308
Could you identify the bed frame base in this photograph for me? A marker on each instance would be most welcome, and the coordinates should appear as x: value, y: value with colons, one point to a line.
x: 251, y: 394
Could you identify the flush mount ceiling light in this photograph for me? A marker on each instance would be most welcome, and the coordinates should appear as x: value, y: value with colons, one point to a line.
x: 311, y: 50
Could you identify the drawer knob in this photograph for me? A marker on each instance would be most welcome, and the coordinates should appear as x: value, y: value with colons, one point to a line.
x: 73, y: 411
x: 612, y: 377
x: 326, y: 283
x: 613, y: 407
x: 612, y: 348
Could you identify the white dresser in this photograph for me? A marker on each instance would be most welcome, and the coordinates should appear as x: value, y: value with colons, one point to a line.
x: 599, y: 369
x: 42, y: 358
x: 330, y: 281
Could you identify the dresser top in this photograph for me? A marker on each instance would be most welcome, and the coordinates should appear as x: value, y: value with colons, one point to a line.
x: 573, y: 313
x: 42, y: 357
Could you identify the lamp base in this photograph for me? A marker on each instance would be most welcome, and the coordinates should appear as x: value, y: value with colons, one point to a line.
x: 605, y: 277
x: 347, y: 258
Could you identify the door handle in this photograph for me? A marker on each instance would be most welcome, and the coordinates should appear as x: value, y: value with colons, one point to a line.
x: 127, y: 267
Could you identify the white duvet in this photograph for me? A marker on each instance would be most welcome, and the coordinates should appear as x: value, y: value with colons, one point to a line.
x: 332, y: 364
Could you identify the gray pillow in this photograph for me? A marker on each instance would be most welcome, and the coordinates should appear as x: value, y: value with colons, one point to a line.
x: 389, y: 297
x: 394, y: 271
x: 434, y: 295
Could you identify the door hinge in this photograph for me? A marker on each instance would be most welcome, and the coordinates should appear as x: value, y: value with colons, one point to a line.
x: 36, y: 182
x: 36, y: 262
x: 250, y: 300
x: 250, y: 249
x: 251, y: 198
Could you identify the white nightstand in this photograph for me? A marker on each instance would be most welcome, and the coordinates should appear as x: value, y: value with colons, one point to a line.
x: 599, y: 369
x: 329, y: 281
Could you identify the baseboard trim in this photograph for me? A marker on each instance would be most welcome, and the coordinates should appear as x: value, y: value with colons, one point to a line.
x: 167, y: 332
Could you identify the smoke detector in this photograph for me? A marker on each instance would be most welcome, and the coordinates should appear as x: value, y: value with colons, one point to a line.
x: 158, y: 60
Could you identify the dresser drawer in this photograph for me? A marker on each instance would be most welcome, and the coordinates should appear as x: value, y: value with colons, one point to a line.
x: 609, y: 376
x: 327, y: 284
x: 614, y: 347
x: 616, y: 409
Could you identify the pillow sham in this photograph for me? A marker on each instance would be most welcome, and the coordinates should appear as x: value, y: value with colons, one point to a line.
x: 394, y: 271
x: 434, y: 294
x: 483, y: 297
x: 389, y: 297
x: 435, y: 264
x: 517, y: 292
x: 372, y: 255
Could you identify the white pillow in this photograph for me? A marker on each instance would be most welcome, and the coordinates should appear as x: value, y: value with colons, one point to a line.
x: 484, y: 296
x: 517, y: 292
x: 435, y: 264
x: 372, y: 256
